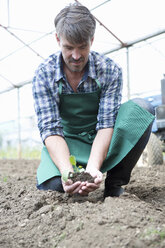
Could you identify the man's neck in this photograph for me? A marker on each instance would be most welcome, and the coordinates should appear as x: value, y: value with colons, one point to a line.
x: 73, y: 78
x: 73, y: 74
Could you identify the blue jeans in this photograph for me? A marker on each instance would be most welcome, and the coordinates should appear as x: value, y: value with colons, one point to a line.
x: 121, y: 173
x: 53, y: 183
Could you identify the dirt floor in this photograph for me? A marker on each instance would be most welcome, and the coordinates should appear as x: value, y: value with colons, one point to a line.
x: 33, y: 218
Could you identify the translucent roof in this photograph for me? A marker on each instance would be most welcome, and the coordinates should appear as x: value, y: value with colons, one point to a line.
x: 27, y: 36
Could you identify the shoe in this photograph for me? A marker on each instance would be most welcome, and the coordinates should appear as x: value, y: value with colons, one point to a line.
x: 113, y: 191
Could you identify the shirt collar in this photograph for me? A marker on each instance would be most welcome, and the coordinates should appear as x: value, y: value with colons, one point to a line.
x: 59, y: 71
x: 91, y: 66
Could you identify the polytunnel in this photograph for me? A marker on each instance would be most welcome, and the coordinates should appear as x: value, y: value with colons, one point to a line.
x: 132, y: 33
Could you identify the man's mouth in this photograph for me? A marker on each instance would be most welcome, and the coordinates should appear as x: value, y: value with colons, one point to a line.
x: 76, y: 62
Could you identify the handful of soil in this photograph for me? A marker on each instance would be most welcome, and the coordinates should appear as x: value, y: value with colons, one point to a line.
x: 80, y: 176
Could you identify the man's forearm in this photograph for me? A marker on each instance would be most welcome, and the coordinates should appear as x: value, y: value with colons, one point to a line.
x: 59, y: 152
x: 100, y: 148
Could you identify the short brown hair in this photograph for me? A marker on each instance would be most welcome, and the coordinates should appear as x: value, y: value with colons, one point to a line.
x: 75, y: 23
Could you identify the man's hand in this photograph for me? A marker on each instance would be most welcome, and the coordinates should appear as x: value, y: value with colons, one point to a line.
x: 84, y: 188
x: 95, y: 173
x: 72, y: 188
x: 89, y: 187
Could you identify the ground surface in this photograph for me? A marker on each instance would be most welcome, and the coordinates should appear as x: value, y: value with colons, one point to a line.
x: 32, y: 218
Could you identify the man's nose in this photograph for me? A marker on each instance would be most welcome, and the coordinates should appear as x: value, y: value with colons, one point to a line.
x: 76, y: 55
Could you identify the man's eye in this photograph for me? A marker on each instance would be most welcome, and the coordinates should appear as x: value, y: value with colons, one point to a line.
x: 69, y: 48
x: 83, y: 47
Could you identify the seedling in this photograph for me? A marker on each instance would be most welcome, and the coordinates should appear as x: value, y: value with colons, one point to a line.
x: 73, y: 162
x: 76, y: 169
x: 79, y: 173
x: 5, y: 179
x: 160, y: 233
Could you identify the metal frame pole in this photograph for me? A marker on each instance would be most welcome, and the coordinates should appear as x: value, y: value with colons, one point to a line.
x: 19, y: 125
x: 128, y: 74
x: 8, y: 12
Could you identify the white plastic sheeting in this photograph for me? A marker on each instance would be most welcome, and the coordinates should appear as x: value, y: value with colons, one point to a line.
x: 27, y: 32
x: 27, y: 37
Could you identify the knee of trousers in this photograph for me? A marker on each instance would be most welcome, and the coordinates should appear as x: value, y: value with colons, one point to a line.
x: 144, y: 104
x: 54, y: 184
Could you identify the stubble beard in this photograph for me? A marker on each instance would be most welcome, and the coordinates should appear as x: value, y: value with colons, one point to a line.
x: 75, y: 68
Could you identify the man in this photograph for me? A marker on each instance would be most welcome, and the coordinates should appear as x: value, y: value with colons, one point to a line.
x: 77, y: 96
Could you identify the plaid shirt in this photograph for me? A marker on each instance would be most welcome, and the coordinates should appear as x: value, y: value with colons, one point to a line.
x: 46, y: 91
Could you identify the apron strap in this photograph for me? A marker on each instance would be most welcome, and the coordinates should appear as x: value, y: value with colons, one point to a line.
x: 98, y: 83
x: 60, y: 85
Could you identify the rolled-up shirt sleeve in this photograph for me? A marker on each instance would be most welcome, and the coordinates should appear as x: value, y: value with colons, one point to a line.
x: 46, y: 104
x: 111, y: 96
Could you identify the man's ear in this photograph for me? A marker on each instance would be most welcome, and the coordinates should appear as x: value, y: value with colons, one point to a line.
x: 58, y: 39
x: 92, y: 41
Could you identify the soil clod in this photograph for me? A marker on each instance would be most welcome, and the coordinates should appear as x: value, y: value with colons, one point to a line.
x: 81, y: 176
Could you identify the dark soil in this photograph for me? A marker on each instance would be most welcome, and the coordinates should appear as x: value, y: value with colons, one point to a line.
x: 81, y: 176
x: 32, y: 218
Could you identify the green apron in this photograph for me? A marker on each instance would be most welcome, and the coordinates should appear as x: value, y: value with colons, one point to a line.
x: 79, y: 118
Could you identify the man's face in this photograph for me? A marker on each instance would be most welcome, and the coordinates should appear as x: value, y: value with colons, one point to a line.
x: 75, y: 56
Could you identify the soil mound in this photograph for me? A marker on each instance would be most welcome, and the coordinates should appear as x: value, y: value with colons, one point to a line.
x: 33, y: 218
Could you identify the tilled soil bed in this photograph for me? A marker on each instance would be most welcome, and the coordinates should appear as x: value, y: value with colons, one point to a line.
x: 33, y: 218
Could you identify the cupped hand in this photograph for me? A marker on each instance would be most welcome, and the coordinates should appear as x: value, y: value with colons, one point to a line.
x: 89, y: 187
x: 72, y: 188
x: 95, y: 173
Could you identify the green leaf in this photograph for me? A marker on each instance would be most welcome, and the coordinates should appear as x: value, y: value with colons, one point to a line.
x: 80, y: 168
x: 72, y: 160
x: 5, y: 179
x: 65, y: 176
